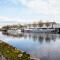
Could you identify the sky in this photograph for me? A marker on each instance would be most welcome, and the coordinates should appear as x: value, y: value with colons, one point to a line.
x: 27, y: 11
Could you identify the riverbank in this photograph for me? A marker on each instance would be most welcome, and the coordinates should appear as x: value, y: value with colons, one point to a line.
x: 11, y: 53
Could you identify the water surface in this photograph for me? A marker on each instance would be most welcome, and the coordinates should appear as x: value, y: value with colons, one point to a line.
x: 42, y: 46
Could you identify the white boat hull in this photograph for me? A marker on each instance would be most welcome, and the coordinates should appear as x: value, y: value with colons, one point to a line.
x: 39, y: 30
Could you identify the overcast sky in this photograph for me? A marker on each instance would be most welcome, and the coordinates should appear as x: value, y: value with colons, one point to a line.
x: 25, y: 11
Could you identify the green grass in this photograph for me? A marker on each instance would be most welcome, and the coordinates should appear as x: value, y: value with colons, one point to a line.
x: 12, y: 53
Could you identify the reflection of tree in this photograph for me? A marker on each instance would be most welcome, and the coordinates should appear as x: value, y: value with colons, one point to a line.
x: 53, y: 37
x: 8, y: 34
x: 24, y: 35
x: 29, y: 35
x: 47, y: 39
x: 40, y: 39
x: 50, y: 37
x: 34, y: 37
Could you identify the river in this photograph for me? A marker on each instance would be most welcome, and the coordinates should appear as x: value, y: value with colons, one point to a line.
x: 41, y: 46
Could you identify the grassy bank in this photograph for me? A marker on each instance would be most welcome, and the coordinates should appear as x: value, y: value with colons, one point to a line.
x: 11, y: 53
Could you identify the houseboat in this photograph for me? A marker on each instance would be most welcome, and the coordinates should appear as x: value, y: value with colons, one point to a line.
x: 39, y: 30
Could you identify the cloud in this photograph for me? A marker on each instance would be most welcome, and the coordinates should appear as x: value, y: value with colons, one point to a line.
x: 46, y: 7
x: 3, y: 17
x: 12, y: 19
x: 38, y: 6
x: 31, y: 10
x: 6, y: 19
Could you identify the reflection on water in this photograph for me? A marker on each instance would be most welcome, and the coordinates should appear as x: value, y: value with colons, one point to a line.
x: 41, y: 37
x: 12, y: 35
x: 42, y: 46
x: 35, y: 36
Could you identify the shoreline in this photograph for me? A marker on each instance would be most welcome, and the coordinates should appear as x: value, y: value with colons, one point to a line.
x: 12, y: 53
x: 5, y: 58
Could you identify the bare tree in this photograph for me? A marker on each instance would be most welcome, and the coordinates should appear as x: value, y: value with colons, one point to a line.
x: 29, y: 25
x: 34, y: 24
x: 47, y: 24
x: 40, y: 24
x: 53, y: 24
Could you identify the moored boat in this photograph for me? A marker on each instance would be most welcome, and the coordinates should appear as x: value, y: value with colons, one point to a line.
x: 41, y: 30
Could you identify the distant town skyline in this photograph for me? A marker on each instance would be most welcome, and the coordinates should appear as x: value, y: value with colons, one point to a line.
x: 26, y: 11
